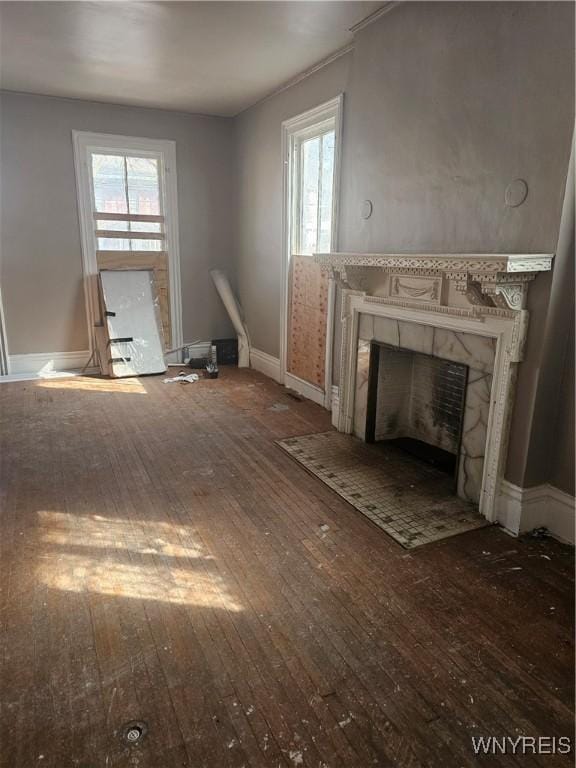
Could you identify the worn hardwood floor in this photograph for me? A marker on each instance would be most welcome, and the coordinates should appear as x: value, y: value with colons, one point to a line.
x: 163, y: 560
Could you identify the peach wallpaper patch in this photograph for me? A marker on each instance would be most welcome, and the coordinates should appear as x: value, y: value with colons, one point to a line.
x: 307, y: 320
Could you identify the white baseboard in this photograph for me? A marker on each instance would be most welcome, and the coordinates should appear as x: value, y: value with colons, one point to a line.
x: 335, y: 405
x: 265, y: 363
x: 48, y: 363
x: 304, y: 388
x: 270, y: 366
x: 522, y: 509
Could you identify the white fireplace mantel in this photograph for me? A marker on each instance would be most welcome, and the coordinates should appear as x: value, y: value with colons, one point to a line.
x: 485, y: 279
x: 480, y: 294
x: 489, y: 263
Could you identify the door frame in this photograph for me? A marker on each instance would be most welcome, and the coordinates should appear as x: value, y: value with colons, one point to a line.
x: 161, y: 149
x: 329, y: 110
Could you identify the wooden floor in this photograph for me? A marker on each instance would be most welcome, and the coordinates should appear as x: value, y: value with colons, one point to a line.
x: 164, y: 561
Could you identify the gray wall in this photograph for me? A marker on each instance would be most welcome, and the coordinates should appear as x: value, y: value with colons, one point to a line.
x: 549, y: 450
x: 448, y: 103
x: 562, y: 460
x: 445, y: 104
x: 259, y: 198
x: 41, y: 265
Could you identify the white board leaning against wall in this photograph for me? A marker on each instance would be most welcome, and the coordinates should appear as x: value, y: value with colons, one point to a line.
x: 132, y: 319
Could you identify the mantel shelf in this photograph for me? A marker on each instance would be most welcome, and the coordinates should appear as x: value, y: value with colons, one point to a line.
x: 473, y: 263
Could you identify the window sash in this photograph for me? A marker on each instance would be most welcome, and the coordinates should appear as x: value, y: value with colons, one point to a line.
x: 298, y: 140
x: 127, y: 233
x: 107, y: 216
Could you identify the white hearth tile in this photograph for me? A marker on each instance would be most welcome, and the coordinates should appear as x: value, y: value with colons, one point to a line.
x: 366, y: 326
x: 475, y: 351
x: 361, y: 394
x: 416, y: 337
x: 386, y: 331
x: 412, y: 501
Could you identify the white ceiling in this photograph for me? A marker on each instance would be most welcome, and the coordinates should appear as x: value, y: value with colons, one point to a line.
x: 207, y: 57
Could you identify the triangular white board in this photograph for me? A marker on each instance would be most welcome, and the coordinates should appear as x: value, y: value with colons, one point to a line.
x: 130, y: 306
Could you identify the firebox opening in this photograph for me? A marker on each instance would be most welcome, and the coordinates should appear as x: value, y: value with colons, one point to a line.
x: 437, y: 457
x: 417, y: 401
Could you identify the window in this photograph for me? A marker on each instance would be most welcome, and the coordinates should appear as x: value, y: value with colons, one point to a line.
x: 127, y: 202
x: 313, y: 186
x: 311, y: 158
x: 128, y: 206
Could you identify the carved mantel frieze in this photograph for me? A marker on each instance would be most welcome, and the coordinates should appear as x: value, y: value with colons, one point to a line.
x: 497, y: 281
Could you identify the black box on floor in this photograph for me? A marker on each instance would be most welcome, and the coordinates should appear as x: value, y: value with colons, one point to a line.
x: 226, y: 351
x: 199, y: 363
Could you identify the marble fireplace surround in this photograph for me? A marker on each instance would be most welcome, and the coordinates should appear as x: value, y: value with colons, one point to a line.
x: 440, y: 297
x: 477, y: 352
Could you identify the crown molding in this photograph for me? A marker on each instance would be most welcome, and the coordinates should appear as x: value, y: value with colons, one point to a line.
x: 301, y: 76
x: 386, y: 8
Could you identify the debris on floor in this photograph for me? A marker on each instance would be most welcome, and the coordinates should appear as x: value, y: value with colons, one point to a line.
x: 184, y: 378
x: 539, y: 533
x: 278, y: 407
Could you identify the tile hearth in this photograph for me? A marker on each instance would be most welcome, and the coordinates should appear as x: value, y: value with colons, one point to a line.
x: 411, y: 501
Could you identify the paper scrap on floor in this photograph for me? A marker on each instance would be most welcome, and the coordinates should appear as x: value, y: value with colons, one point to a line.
x: 184, y: 378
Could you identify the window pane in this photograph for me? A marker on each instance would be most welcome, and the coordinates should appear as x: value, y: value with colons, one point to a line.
x: 109, y: 183
x: 143, y: 185
x: 113, y: 244
x: 310, y: 166
x: 145, y: 226
x: 146, y: 245
x: 324, y: 238
x: 107, y: 224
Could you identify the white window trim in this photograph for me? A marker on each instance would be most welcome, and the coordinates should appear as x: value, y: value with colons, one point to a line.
x: 298, y: 138
x: 165, y: 150
x: 294, y: 128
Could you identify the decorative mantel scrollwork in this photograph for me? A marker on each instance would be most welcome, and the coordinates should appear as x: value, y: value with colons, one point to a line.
x: 495, y: 281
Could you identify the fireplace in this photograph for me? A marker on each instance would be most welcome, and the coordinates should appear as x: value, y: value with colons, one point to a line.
x: 429, y: 347
x: 417, y: 401
x: 425, y: 385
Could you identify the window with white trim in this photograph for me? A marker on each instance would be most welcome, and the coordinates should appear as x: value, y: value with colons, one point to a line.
x: 128, y: 207
x: 313, y: 188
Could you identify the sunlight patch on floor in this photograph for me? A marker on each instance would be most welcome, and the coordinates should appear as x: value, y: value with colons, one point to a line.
x: 142, y: 536
x: 86, y: 384
x: 105, y: 576
x: 133, y: 560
